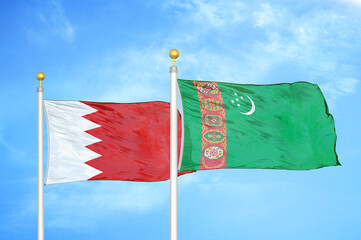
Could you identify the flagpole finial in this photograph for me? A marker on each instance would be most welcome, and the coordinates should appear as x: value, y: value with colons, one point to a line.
x: 173, y: 54
x: 40, y: 76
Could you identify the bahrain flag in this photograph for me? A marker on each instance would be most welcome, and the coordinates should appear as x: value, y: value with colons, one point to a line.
x: 108, y: 141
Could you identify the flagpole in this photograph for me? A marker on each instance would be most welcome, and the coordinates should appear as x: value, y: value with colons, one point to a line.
x: 173, y: 148
x: 40, y: 76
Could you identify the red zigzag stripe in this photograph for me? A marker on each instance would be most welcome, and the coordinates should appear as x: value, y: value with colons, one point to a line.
x: 135, y: 140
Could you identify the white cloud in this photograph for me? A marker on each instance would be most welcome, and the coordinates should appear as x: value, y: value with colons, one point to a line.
x: 14, y: 152
x: 225, y: 189
x: 52, y: 22
x: 348, y: 85
x: 250, y: 43
x: 337, y: 88
x: 84, y: 205
x: 313, y: 43
x: 134, y: 75
x: 302, y: 40
x: 267, y: 16
x: 210, y: 13
x: 356, y: 3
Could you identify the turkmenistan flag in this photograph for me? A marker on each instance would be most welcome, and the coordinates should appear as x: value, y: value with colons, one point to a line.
x: 280, y: 126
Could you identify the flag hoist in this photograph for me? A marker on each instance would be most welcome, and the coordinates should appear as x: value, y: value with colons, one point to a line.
x: 40, y: 76
x: 173, y: 148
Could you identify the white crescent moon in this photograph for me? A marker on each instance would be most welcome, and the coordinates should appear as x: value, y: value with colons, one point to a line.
x: 252, y: 109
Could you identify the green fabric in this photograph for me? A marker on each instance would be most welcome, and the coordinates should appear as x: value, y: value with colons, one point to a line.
x: 290, y: 128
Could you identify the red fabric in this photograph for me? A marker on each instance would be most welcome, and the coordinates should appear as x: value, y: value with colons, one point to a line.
x: 135, y: 140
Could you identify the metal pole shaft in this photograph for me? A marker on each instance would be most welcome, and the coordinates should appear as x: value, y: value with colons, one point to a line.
x: 40, y: 165
x: 173, y: 155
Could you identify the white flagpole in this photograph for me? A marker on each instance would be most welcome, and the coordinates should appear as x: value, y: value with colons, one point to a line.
x: 40, y: 76
x: 173, y: 148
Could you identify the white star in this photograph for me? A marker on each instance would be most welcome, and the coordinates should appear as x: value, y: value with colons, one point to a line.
x: 235, y: 94
x: 241, y: 97
x: 232, y: 101
x: 238, y: 105
x: 237, y: 99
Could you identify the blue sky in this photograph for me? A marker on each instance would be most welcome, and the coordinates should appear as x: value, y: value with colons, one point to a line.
x: 118, y: 51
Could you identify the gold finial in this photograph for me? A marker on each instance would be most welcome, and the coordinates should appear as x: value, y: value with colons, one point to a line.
x: 173, y: 54
x: 40, y: 76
